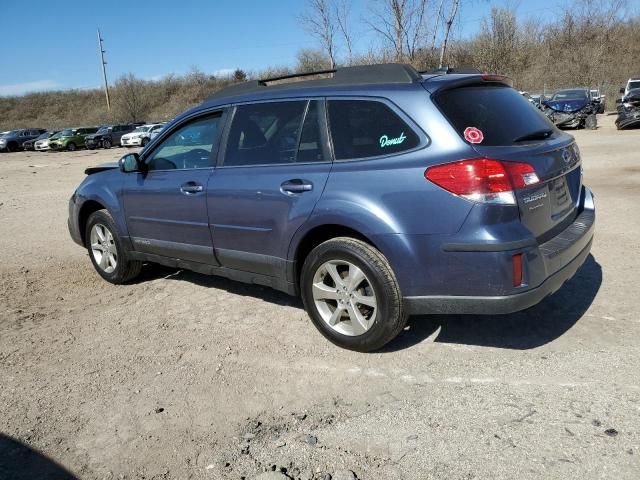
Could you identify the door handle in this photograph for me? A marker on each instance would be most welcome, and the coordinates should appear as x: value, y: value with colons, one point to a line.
x: 191, y: 188
x: 296, y: 186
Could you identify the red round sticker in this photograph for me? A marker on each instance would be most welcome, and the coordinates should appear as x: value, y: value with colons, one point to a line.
x: 473, y: 135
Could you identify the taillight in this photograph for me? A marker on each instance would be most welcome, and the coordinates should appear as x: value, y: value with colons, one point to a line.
x: 483, y: 180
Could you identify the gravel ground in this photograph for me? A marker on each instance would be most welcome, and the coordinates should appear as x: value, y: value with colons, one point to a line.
x: 182, y: 375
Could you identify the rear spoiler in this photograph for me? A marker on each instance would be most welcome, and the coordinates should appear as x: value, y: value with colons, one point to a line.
x: 450, y: 81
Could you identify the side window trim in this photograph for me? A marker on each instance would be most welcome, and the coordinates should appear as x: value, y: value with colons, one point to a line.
x: 165, y: 133
x: 425, y: 141
x: 324, y: 132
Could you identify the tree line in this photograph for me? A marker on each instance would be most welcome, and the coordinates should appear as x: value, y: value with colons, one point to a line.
x: 587, y: 43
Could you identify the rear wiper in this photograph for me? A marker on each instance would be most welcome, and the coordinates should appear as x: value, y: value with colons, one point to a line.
x: 537, y: 135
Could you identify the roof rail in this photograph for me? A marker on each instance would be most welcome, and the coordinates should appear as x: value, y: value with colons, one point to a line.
x: 264, y: 81
x: 451, y: 70
x: 357, y: 75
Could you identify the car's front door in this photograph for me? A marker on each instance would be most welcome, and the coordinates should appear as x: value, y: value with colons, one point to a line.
x: 276, y: 164
x: 166, y: 204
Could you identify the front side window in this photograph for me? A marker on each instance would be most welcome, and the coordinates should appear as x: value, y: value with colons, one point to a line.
x: 268, y: 133
x: 193, y: 145
x: 367, y: 128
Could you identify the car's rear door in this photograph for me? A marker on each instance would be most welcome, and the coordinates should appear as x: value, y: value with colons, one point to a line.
x: 274, y: 169
x: 166, y: 204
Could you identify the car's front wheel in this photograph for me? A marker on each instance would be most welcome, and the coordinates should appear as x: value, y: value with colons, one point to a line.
x: 107, y: 253
x: 106, y: 143
x: 144, y: 142
x: 351, y: 294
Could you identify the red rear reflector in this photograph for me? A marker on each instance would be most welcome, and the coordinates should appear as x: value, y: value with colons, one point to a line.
x: 483, y: 179
x: 517, y: 269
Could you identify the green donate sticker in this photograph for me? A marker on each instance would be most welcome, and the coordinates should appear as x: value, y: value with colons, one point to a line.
x: 385, y: 141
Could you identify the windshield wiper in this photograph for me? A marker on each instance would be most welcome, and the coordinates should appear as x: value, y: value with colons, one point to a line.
x: 537, y: 135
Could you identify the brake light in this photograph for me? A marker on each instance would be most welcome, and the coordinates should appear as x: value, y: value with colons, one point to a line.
x: 483, y: 180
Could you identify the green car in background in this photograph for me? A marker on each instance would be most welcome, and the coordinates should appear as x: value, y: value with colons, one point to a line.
x: 71, y: 138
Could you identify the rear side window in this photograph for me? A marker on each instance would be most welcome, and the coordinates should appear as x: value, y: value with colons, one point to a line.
x: 500, y: 113
x: 270, y: 133
x: 367, y: 128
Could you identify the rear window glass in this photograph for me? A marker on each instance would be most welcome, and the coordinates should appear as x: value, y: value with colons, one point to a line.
x: 500, y: 113
x: 365, y: 128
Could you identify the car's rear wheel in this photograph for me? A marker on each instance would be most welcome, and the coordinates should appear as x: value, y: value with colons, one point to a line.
x: 71, y: 147
x: 106, y: 143
x: 107, y: 253
x: 351, y: 294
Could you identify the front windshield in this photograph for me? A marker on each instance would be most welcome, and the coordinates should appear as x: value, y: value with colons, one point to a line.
x: 141, y: 129
x: 103, y: 130
x: 43, y: 136
x: 633, y: 85
x: 570, y: 95
x: 56, y: 135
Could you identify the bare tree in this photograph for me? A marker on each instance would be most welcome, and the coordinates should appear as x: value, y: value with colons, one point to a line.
x: 130, y: 97
x: 401, y: 24
x: 319, y: 22
x: 447, y: 30
x: 342, y: 10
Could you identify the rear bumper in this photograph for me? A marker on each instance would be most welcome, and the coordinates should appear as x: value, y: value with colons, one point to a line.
x: 547, y: 267
x: 497, y: 305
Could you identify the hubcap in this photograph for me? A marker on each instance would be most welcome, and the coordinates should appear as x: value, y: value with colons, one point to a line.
x: 344, y: 297
x: 103, y: 248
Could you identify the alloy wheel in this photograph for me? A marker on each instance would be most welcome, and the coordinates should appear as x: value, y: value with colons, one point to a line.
x: 344, y: 297
x: 103, y: 248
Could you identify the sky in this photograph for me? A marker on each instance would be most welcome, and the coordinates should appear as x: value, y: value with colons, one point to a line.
x: 49, y: 46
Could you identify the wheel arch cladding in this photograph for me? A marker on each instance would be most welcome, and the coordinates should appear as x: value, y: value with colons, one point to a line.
x: 88, y: 207
x: 318, y: 234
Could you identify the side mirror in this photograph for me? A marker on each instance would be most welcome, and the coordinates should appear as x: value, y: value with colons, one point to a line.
x: 129, y: 163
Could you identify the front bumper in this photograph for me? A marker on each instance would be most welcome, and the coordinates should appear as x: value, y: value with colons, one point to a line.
x: 551, y: 263
x: 131, y: 142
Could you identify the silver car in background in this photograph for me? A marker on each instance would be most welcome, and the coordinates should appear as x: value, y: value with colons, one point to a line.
x: 141, y: 135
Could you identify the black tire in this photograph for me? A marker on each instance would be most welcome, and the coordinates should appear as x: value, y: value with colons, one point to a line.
x: 12, y: 147
x: 591, y: 122
x: 391, y: 316
x: 71, y: 147
x: 145, y: 141
x: 106, y: 143
x: 126, y: 269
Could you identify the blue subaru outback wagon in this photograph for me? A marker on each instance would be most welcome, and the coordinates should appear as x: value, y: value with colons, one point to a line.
x: 376, y: 193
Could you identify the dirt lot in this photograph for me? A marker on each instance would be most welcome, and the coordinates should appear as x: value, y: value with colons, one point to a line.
x: 186, y: 376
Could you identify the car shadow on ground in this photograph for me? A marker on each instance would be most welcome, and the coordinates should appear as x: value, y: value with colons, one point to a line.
x: 20, y: 462
x: 524, y: 330
x: 153, y: 271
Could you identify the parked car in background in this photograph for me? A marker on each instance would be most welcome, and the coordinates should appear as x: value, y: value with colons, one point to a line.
x: 31, y: 144
x: 572, y: 108
x: 42, y: 144
x: 140, y: 136
x: 538, y: 99
x: 629, y: 110
x: 598, y: 99
x: 13, y: 140
x: 375, y: 194
x: 632, y: 84
x: 109, y: 135
x: 71, y: 138
x: 158, y: 131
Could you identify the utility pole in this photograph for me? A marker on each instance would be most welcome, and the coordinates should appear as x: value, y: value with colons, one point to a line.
x: 104, y: 70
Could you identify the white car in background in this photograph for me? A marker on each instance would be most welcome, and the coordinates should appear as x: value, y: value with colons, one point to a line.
x: 141, y: 135
x: 42, y: 145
